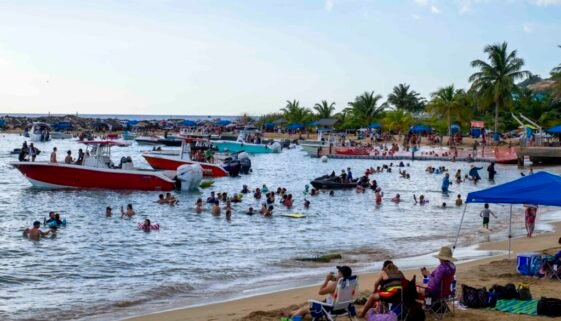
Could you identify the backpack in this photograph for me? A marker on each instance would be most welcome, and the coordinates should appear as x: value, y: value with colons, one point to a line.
x: 524, y: 292
x: 549, y: 307
x: 510, y: 292
x: 499, y: 291
x: 474, y: 298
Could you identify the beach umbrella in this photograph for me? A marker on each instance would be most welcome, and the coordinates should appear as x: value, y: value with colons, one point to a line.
x: 420, y: 128
x: 555, y: 130
x: 374, y: 126
x: 295, y: 126
x: 132, y: 122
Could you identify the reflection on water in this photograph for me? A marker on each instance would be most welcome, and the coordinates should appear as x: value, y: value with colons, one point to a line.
x: 107, y: 267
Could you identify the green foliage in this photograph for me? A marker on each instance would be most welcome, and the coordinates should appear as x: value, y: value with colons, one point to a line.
x: 494, y: 82
x: 365, y: 109
x: 293, y: 113
x: 405, y: 99
x: 397, y: 120
x: 452, y: 105
x: 268, y: 118
x: 324, y: 109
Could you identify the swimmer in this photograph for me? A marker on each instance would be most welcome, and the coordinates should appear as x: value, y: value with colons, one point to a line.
x: 269, y: 211
x: 228, y: 205
x: 228, y: 214
x: 264, y: 189
x: 211, y: 199
x: 146, y: 226
x: 288, y: 201
x: 245, y: 189
x: 170, y: 199
x: 443, y: 205
x: 263, y: 209
x: 128, y: 213
x: 35, y: 232
x: 331, y: 193
x: 250, y: 211
x: 257, y: 194
x: 199, y: 206
x: 314, y: 192
x: 216, y: 208
x: 360, y: 189
x: 161, y: 199
x: 396, y: 199
x: 306, y: 203
x: 378, y: 196
x: 108, y: 211
x: 459, y: 201
x: 270, y: 198
x: 422, y: 200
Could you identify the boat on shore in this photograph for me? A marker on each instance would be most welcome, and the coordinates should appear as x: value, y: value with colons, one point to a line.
x: 96, y: 171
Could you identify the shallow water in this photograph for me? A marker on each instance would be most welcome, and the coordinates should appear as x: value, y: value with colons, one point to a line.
x: 105, y: 268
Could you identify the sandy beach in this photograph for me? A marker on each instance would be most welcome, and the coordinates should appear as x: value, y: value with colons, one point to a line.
x: 484, y: 272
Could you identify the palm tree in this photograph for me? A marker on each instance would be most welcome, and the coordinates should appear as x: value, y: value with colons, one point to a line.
x: 324, y: 109
x: 365, y: 108
x: 494, y: 81
x: 293, y: 113
x: 397, y: 120
x: 403, y: 98
x: 450, y: 102
x: 556, y: 77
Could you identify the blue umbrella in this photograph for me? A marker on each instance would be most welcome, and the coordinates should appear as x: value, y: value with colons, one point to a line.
x: 555, y: 130
x: 223, y: 122
x: 188, y: 123
x: 132, y: 122
x: 295, y: 126
x: 420, y: 128
x: 374, y: 125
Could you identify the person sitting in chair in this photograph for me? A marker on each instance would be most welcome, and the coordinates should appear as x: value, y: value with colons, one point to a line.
x: 328, y: 288
x: 445, y: 270
x: 386, y: 286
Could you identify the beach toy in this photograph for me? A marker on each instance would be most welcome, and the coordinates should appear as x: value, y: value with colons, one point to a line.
x: 294, y: 215
x: 153, y: 227
x: 528, y: 263
x: 54, y: 224
x: 324, y: 159
x: 206, y: 184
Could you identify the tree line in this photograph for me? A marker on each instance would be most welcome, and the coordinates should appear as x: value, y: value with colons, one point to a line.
x: 498, y: 87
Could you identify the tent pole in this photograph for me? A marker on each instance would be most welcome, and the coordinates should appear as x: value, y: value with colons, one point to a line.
x: 459, y: 228
x: 510, y: 232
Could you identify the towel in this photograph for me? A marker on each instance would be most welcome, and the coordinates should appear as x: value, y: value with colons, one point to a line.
x: 529, y: 307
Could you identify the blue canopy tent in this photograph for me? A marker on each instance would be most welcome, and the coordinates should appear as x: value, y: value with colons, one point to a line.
x: 541, y: 188
x: 455, y: 128
x: 295, y: 126
x: 132, y: 122
x: 420, y: 128
x: 223, y: 122
x: 555, y: 130
x: 371, y: 126
x: 187, y: 123
x: 269, y: 125
x: 312, y: 123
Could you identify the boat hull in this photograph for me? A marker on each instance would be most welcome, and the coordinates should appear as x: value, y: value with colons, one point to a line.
x: 54, y: 175
x: 170, y: 162
x: 235, y: 147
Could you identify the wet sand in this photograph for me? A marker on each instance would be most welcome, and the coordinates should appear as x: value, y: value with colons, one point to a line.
x: 484, y: 272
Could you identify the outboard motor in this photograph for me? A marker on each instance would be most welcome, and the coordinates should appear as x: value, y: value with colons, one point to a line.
x: 189, y: 176
x: 234, y: 168
x: 276, y: 147
x: 245, y: 162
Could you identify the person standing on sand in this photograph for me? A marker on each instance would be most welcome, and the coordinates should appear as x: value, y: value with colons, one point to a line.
x: 485, y: 214
x: 530, y: 219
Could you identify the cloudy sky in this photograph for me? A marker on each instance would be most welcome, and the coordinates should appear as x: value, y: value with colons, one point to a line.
x: 216, y: 57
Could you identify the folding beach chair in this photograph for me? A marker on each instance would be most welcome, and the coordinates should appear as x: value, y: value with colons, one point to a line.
x: 438, y: 307
x: 552, y: 269
x: 343, y: 303
x: 402, y: 301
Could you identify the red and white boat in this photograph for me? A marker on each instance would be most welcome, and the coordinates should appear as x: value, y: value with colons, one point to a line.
x: 171, y: 160
x: 96, y: 171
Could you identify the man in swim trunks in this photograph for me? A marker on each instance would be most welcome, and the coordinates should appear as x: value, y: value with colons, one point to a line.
x: 35, y: 232
x: 53, y: 155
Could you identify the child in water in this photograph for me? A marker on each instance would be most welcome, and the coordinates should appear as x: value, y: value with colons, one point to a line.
x: 396, y: 199
x: 459, y: 201
x: 199, y: 206
x: 378, y: 196
x: 485, y: 214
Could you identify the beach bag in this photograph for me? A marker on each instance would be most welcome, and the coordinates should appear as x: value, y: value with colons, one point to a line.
x: 510, y: 292
x: 498, y: 291
x: 549, y: 307
x: 474, y: 298
x: 373, y: 316
x: 524, y: 292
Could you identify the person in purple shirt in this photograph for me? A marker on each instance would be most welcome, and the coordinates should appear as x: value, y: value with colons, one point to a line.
x: 446, y: 269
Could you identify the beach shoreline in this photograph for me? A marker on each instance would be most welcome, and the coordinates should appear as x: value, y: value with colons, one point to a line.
x: 238, y: 308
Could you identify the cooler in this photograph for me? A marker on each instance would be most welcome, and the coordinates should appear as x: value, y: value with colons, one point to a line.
x: 528, y: 263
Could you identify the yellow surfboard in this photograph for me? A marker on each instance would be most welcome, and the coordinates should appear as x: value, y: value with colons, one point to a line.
x: 294, y: 215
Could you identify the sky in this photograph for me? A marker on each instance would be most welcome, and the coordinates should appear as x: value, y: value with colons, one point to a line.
x: 213, y: 57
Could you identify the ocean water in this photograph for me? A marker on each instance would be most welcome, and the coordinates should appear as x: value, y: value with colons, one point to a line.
x: 131, y: 116
x: 101, y: 268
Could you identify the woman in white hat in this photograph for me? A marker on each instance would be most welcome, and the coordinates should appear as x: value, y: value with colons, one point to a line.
x: 445, y: 270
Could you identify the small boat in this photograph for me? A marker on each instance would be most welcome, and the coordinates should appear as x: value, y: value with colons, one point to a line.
x: 39, y: 132
x: 352, y: 151
x: 334, y: 182
x: 158, y: 140
x: 127, y: 135
x: 61, y: 135
x: 240, y: 145
x: 171, y: 160
x: 96, y: 171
